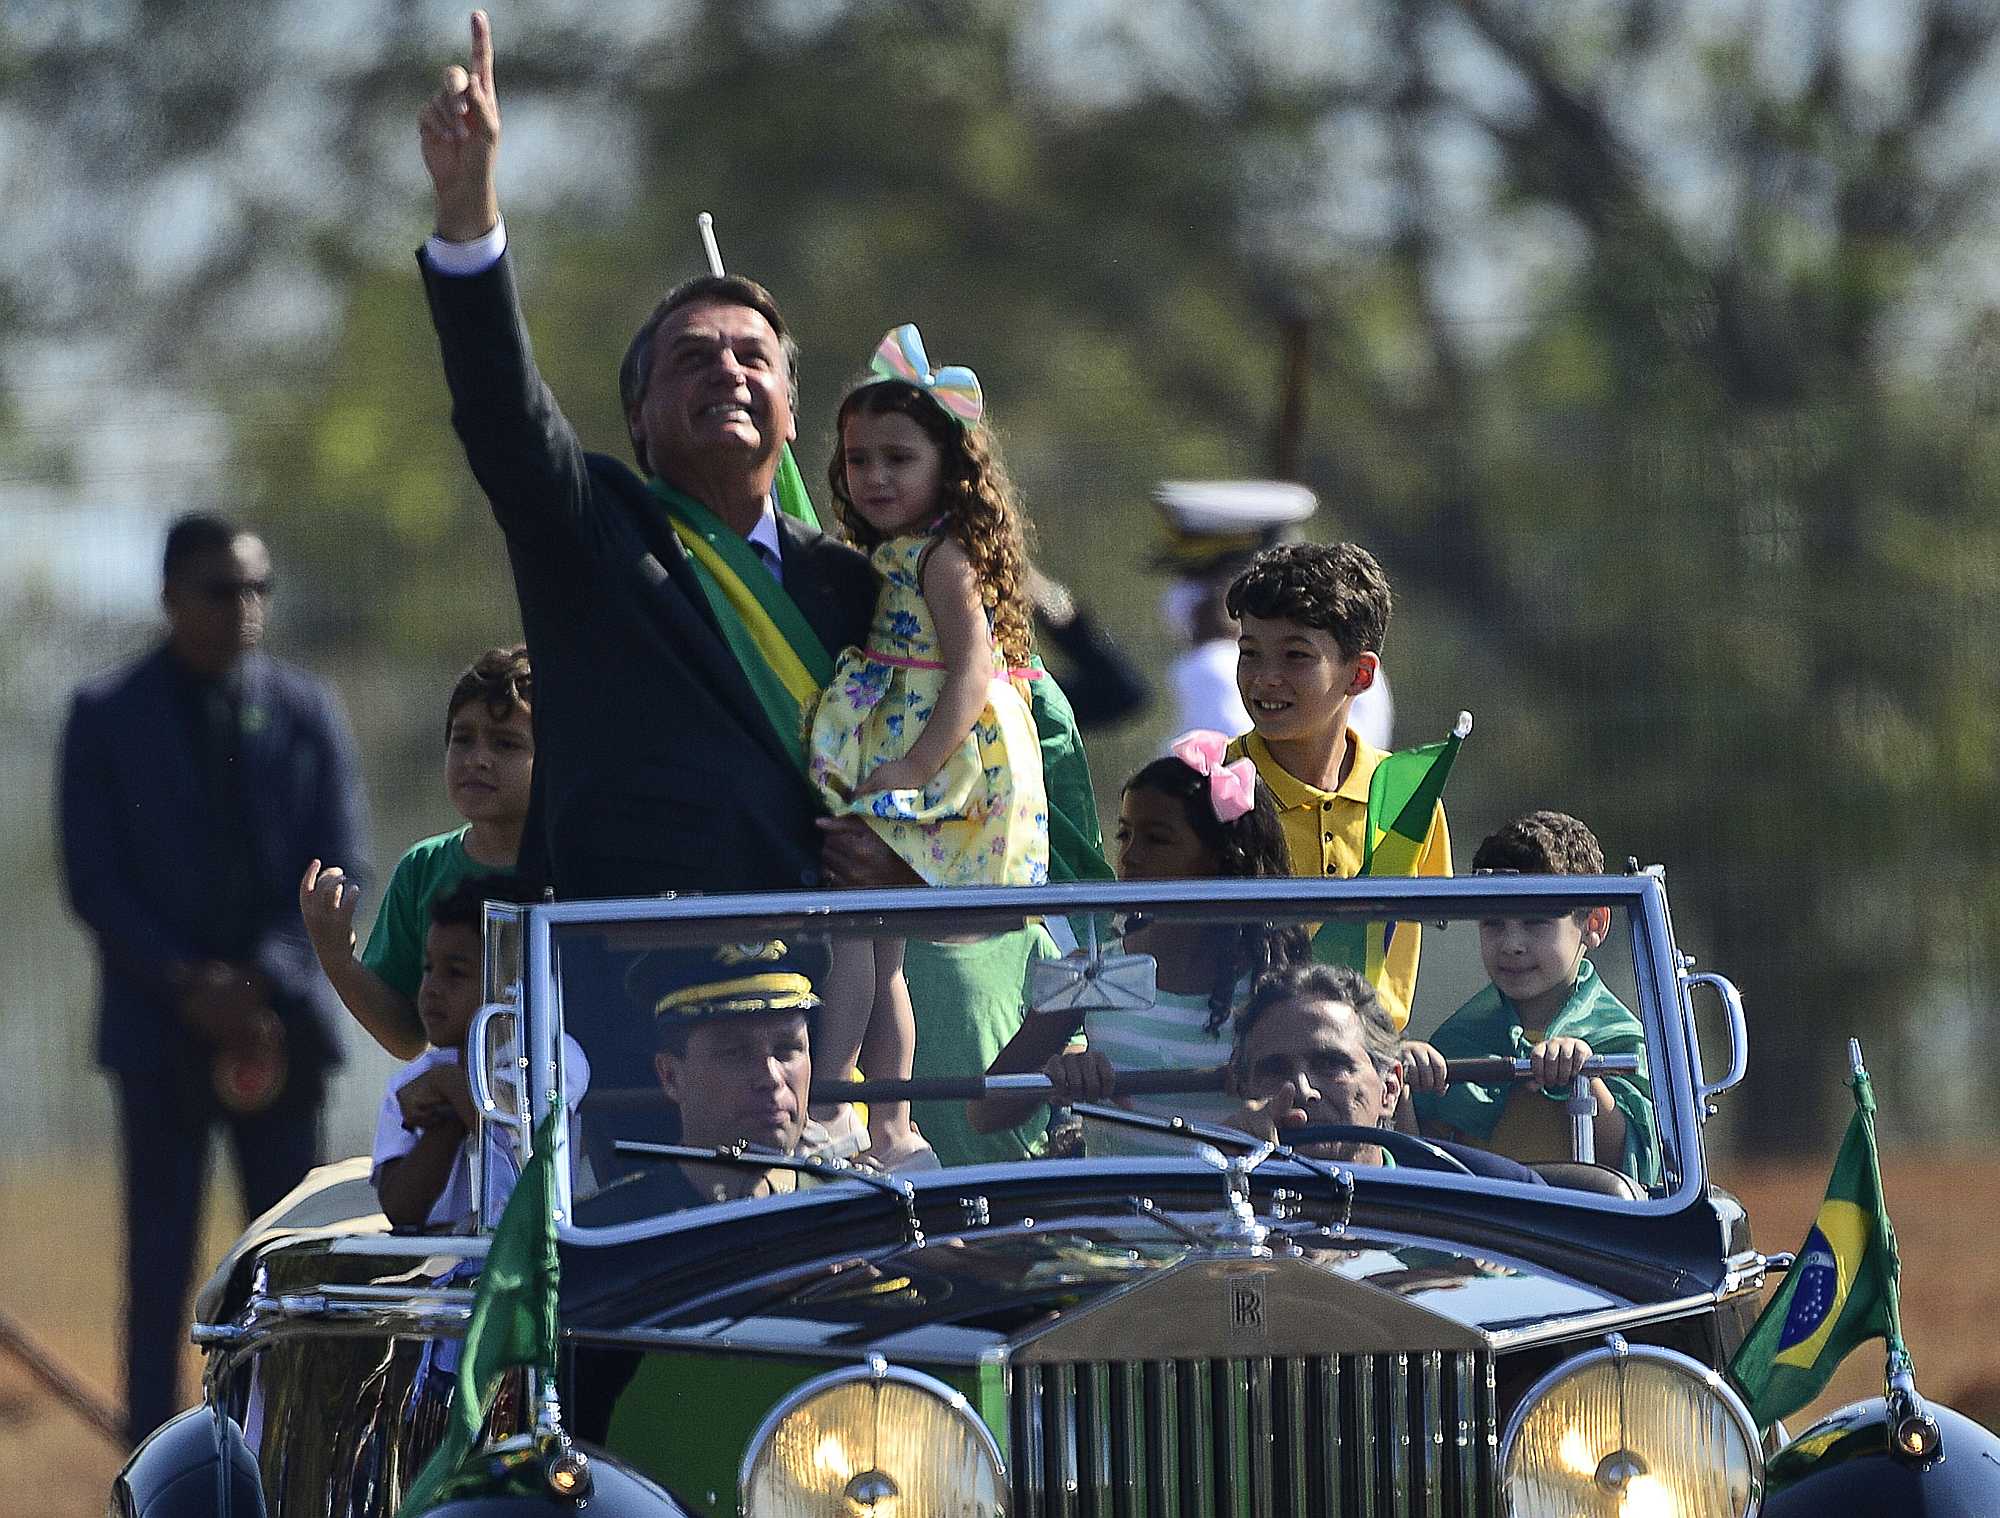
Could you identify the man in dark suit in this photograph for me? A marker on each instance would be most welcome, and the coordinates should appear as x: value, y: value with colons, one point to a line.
x: 659, y: 765
x: 197, y: 783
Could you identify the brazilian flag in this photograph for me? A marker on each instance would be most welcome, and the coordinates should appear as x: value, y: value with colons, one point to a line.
x: 1840, y: 1291
x: 513, y: 1324
x: 793, y: 500
x: 1403, y: 795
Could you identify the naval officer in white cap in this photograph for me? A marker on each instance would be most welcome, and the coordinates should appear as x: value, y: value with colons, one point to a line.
x: 1213, y: 529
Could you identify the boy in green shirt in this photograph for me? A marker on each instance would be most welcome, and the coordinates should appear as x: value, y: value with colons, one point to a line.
x: 489, y: 758
x: 1548, y: 1004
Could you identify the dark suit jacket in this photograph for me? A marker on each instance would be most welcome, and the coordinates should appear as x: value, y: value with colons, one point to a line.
x: 136, y: 824
x: 1484, y: 1162
x: 655, y: 766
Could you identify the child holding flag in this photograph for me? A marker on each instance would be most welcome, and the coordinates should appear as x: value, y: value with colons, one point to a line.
x: 1312, y: 619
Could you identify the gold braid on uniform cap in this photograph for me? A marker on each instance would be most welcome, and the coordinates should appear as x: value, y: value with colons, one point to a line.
x: 776, y: 991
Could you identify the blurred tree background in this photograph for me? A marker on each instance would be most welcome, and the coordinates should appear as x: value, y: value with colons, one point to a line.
x: 1651, y: 346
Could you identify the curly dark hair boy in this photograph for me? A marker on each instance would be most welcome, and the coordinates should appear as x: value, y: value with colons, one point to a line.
x: 501, y: 679
x: 1541, y: 843
x: 1337, y: 588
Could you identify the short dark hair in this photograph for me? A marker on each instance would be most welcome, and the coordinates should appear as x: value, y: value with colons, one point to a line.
x: 463, y: 906
x: 636, y: 368
x: 1541, y: 843
x: 502, y: 678
x: 196, y: 533
x: 1337, y: 588
x: 1318, y: 982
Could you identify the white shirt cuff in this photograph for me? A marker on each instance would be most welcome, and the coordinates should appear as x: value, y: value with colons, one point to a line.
x: 462, y: 258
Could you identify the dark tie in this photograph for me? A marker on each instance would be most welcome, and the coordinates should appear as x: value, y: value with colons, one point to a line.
x: 768, y: 557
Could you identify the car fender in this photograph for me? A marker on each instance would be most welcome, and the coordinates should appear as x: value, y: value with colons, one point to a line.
x: 176, y: 1474
x: 1844, y: 1464
x: 616, y: 1491
x: 195, y: 1465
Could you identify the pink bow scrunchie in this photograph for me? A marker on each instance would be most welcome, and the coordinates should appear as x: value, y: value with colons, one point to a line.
x: 1232, y: 788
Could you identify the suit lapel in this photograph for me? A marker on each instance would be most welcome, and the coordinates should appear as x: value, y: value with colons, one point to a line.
x: 685, y: 602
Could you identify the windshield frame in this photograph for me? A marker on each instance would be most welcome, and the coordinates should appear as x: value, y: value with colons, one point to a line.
x: 919, y: 910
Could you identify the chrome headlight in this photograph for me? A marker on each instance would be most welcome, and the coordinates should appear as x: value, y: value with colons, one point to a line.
x: 1624, y: 1432
x: 873, y: 1441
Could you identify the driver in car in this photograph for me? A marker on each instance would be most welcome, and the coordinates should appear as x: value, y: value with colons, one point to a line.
x: 1314, y: 1046
x: 733, y: 1053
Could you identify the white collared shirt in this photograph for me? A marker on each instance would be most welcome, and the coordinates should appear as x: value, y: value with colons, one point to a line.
x: 765, y: 535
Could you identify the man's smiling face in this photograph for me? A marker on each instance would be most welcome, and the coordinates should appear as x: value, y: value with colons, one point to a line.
x: 718, y: 387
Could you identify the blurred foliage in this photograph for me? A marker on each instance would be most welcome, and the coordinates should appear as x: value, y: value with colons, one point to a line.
x: 1643, y: 354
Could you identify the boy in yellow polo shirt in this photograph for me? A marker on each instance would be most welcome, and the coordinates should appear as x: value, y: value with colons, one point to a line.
x: 1312, y: 619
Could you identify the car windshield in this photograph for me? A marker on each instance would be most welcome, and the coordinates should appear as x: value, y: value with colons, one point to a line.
x: 689, y: 1023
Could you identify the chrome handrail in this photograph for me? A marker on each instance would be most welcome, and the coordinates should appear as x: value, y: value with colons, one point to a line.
x: 1739, y: 1038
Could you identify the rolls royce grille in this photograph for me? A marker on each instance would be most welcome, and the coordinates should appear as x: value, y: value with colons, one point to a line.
x: 1363, y: 1436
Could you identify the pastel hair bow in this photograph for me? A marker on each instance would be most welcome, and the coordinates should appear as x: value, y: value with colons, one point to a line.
x: 1232, y: 788
x: 900, y: 356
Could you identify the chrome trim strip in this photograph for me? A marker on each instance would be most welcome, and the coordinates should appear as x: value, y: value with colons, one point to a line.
x: 1430, y: 1433
x: 1401, y: 1451
x: 1507, y: 1339
x: 858, y: 911
x: 1360, y: 1428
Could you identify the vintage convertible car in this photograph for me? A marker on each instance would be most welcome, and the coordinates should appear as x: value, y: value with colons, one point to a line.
x: 1176, y: 1320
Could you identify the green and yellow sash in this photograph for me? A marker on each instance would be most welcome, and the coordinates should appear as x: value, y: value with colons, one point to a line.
x: 780, y: 655
x: 787, y: 667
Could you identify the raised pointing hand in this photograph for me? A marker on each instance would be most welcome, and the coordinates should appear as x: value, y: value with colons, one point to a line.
x: 459, y: 131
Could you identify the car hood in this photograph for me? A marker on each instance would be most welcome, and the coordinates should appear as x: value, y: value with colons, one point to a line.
x: 1097, y: 1293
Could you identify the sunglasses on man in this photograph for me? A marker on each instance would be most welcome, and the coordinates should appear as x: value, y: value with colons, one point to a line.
x: 221, y: 591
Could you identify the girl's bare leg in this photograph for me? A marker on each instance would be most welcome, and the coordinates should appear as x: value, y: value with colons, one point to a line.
x: 846, y: 1000
x: 888, y: 1050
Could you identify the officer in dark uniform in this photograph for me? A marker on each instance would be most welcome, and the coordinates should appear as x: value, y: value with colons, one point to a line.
x: 733, y: 1054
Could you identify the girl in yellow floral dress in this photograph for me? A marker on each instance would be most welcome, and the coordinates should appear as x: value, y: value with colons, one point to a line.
x: 926, y: 732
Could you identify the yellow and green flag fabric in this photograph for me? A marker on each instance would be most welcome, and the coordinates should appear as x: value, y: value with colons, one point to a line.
x: 1403, y: 794
x: 1841, y: 1290
x: 513, y: 1324
x: 793, y: 500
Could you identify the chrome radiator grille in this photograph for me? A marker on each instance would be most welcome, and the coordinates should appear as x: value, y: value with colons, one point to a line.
x: 1357, y: 1436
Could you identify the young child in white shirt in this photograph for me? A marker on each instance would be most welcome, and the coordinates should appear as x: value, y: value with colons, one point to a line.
x: 421, y: 1171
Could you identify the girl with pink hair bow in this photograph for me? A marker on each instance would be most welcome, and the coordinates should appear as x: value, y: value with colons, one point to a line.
x: 1188, y: 816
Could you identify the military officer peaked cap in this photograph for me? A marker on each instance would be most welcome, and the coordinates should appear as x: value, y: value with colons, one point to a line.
x: 729, y: 980
x: 1213, y: 523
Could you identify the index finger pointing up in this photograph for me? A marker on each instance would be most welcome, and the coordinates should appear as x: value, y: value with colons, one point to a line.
x: 482, y: 51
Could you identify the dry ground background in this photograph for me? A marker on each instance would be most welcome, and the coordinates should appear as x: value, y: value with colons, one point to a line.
x: 58, y: 1280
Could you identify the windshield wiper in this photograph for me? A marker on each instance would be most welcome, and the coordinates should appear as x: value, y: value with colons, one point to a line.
x: 1206, y: 1138
x: 750, y: 1156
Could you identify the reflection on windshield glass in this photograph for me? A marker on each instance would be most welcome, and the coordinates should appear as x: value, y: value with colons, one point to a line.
x: 1524, y: 1059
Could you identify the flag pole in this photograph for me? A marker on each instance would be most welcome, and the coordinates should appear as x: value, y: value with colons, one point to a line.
x: 1916, y: 1431
x: 705, y: 224
x: 789, y: 487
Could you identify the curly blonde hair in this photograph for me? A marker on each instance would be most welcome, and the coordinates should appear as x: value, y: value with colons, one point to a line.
x: 976, y: 498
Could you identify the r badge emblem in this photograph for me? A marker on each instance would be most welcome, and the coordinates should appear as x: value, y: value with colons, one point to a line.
x: 1246, y: 1308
